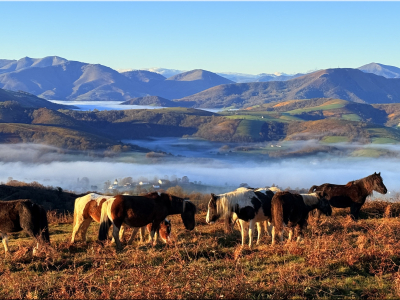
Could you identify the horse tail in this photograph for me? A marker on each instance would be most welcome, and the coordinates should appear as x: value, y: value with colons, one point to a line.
x: 43, y: 225
x: 75, y: 212
x: 104, y: 222
x: 312, y: 189
x: 277, y: 212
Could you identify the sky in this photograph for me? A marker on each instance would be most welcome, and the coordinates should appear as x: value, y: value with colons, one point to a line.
x: 244, y: 37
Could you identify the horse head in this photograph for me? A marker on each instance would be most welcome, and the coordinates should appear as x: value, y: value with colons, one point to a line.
x: 377, y: 183
x: 323, y: 203
x: 188, y: 215
x: 212, y: 213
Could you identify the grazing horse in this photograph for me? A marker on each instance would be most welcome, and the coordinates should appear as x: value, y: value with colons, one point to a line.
x: 244, y: 203
x: 353, y: 194
x: 88, y: 209
x: 293, y: 209
x: 265, y: 195
x: 18, y: 215
x: 138, y: 211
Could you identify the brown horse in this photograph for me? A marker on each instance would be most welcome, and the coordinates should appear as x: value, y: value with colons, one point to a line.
x: 353, y: 194
x: 18, y: 215
x: 138, y: 211
x: 88, y: 208
x: 293, y: 209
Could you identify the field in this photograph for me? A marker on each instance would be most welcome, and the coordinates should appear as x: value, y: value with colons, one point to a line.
x: 339, y: 259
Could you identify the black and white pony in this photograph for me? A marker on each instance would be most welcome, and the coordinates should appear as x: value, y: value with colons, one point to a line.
x: 265, y: 196
x: 243, y: 202
x: 292, y: 210
x: 18, y: 215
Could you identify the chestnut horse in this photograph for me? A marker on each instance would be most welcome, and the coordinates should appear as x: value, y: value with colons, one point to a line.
x: 353, y: 194
x: 18, y: 215
x: 88, y: 208
x: 138, y: 211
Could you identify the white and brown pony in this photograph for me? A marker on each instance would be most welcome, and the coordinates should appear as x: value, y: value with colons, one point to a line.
x: 88, y: 208
x: 292, y: 210
x: 265, y: 195
x: 244, y: 203
x: 138, y: 211
x: 18, y: 215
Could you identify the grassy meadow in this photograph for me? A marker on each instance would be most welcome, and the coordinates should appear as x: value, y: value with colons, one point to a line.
x: 339, y: 259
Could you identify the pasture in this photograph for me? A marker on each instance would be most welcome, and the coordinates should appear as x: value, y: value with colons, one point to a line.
x: 339, y: 259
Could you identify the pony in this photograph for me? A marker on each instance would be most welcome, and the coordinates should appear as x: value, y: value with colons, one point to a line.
x: 88, y: 208
x: 138, y: 211
x: 293, y: 209
x: 23, y: 214
x: 353, y: 194
x: 244, y: 202
x: 265, y: 196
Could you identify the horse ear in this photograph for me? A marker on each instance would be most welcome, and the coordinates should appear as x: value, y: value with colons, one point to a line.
x: 213, y: 196
x: 375, y: 173
x: 379, y: 173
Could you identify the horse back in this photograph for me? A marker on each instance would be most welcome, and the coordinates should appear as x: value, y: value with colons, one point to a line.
x: 343, y: 196
x: 138, y: 211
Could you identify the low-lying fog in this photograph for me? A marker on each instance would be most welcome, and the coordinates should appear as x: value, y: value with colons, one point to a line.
x: 112, y: 105
x: 48, y: 166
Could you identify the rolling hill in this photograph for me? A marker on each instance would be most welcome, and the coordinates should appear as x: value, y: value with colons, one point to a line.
x: 28, y: 100
x: 347, y: 84
x: 152, y: 101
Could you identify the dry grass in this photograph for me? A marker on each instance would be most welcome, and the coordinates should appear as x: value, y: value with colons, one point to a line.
x: 339, y: 259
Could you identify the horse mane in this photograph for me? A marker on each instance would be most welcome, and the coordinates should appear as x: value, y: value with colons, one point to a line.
x: 228, y: 201
x: 274, y: 189
x: 366, y: 182
x: 349, y: 184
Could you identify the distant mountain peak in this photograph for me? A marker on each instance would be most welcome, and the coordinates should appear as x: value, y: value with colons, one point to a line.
x: 199, y: 74
x: 381, y: 70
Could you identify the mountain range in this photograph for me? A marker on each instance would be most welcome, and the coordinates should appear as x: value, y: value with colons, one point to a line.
x: 347, y: 84
x: 56, y: 78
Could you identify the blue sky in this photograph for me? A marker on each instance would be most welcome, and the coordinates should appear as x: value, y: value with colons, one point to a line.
x: 247, y: 37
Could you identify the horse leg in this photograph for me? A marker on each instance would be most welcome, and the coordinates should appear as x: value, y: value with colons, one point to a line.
x: 299, y: 230
x: 84, y: 227
x: 273, y: 234
x: 354, y: 211
x: 154, y: 228
x: 4, y: 238
x: 134, y: 232
x: 251, y: 229
x: 290, y: 234
x: 78, y: 223
x: 269, y: 228
x: 259, y: 231
x: 115, y: 233
x: 242, y: 231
